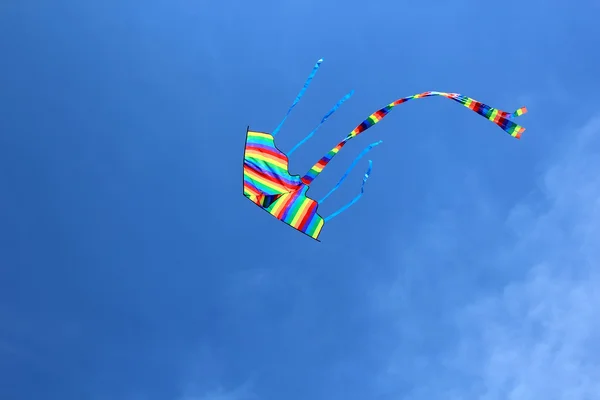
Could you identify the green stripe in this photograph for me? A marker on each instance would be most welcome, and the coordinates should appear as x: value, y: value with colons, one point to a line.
x: 263, y: 165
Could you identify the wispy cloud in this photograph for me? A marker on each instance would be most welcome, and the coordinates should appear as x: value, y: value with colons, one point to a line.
x: 540, y: 337
x: 243, y: 392
x: 536, y: 333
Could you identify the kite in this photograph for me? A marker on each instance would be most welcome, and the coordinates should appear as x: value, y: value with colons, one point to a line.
x: 268, y: 183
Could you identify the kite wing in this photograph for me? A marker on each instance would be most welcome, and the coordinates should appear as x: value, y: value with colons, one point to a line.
x: 269, y: 185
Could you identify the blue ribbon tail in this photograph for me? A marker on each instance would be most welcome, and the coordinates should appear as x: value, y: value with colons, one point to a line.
x: 361, y: 155
x: 299, y: 96
x: 334, y: 109
x: 354, y: 200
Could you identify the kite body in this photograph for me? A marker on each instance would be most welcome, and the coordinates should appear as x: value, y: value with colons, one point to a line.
x: 269, y: 184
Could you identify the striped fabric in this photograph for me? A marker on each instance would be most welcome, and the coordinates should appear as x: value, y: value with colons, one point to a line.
x: 499, y: 117
x: 268, y: 184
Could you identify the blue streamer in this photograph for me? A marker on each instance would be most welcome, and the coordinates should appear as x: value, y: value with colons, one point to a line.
x: 362, y: 190
x: 334, y: 109
x: 365, y: 151
x: 300, y: 94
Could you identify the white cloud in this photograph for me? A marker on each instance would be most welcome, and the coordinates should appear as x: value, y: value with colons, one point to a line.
x: 221, y: 394
x: 242, y: 392
x: 538, y: 337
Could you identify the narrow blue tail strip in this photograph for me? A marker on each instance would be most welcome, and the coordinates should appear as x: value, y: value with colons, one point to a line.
x: 354, y: 200
x: 334, y: 109
x: 361, y: 155
x: 362, y: 190
x: 300, y: 94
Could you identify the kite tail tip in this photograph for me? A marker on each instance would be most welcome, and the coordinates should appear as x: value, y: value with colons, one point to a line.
x: 519, y: 129
x: 518, y: 113
x: 517, y: 134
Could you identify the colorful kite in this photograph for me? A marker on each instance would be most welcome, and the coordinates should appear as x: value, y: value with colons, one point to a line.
x: 269, y: 184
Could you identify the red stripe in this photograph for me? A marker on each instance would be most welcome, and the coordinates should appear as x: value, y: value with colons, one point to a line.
x: 287, y: 181
x: 290, y: 198
x: 251, y: 189
x: 266, y: 177
x: 381, y: 113
x: 275, y: 154
x: 308, y: 215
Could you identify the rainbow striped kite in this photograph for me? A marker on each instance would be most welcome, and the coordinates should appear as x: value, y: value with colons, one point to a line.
x: 268, y: 183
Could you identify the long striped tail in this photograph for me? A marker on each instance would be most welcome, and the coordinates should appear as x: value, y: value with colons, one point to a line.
x: 501, y: 118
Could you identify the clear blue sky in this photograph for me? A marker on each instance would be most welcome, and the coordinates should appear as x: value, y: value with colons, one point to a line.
x: 132, y: 268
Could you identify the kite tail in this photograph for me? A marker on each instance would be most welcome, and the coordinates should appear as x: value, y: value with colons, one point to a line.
x: 517, y: 113
x: 334, y: 109
x: 354, y: 200
x: 365, y: 151
x: 299, y: 96
x: 499, y: 117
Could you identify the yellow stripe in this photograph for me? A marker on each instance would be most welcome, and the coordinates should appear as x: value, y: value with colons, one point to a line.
x: 267, y: 159
x: 260, y: 134
x: 493, y: 115
x: 250, y: 192
x: 300, y: 214
x: 318, y: 228
x: 278, y: 205
x: 261, y: 180
x: 251, y: 196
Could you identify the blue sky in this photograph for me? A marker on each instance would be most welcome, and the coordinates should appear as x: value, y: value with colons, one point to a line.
x: 132, y: 268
